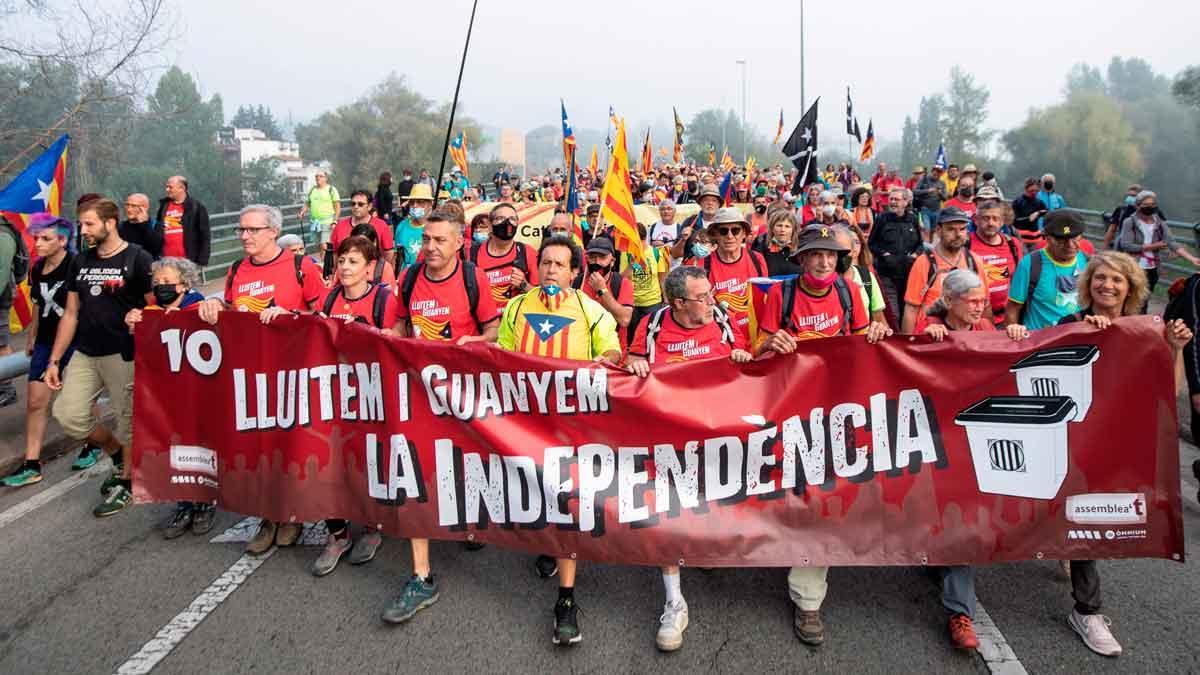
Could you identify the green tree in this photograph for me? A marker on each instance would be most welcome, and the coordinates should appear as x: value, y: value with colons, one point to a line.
x: 264, y: 182
x: 963, y: 118
x: 1186, y: 87
x: 908, y: 145
x: 260, y: 117
x: 705, y: 130
x: 929, y: 128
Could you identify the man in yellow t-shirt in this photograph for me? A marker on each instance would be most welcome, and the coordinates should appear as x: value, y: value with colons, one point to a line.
x: 558, y: 321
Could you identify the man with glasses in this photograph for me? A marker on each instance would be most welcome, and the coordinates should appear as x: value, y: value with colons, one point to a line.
x: 137, y: 228
x: 730, y: 269
x: 1045, y: 286
x: 360, y: 214
x: 510, y: 266
x: 691, y: 326
x: 184, y: 220
x: 269, y: 281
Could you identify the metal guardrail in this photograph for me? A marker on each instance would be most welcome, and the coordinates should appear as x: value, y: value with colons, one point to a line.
x: 1187, y: 234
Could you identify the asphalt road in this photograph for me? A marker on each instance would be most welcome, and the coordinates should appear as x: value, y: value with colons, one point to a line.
x: 81, y: 595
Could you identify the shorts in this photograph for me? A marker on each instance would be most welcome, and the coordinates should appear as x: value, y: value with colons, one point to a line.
x: 41, y: 360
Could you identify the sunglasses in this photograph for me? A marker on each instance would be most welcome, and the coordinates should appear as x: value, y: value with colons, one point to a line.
x: 512, y: 220
x: 726, y: 231
x: 358, y: 203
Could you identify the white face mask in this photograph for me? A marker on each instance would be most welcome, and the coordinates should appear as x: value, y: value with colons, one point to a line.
x: 828, y: 209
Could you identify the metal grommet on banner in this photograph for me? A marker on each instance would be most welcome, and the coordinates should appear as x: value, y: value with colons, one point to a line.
x: 572, y: 556
x: 470, y: 536
x: 681, y: 560
x: 1039, y: 555
x: 378, y: 526
x: 924, y: 559
x: 291, y: 519
x: 1157, y: 318
x: 1174, y: 556
x: 804, y: 561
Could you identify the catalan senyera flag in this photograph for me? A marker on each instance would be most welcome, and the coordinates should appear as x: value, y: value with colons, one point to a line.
x: 568, y: 135
x: 677, y: 155
x: 594, y: 163
x: 868, y: 147
x: 712, y: 155
x: 779, y: 130
x: 727, y: 161
x: 458, y: 152
x: 37, y: 189
x: 647, y: 155
x: 750, y: 164
x: 616, y: 207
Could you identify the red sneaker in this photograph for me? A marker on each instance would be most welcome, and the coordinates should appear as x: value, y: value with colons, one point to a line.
x: 962, y: 633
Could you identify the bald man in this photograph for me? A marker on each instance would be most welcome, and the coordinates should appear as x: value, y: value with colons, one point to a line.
x: 184, y: 220
x: 137, y: 227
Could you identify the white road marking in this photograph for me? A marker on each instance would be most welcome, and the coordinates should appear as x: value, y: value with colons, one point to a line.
x: 186, y: 621
x: 993, y: 648
x: 13, y: 513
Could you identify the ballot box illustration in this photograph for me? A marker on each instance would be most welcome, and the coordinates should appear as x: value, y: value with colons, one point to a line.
x: 1019, y: 443
x: 1062, y: 371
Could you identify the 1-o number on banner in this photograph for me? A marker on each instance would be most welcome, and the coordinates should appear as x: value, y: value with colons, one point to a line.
x: 193, y: 348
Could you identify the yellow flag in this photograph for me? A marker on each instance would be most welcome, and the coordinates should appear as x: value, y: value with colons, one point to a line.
x: 617, y: 202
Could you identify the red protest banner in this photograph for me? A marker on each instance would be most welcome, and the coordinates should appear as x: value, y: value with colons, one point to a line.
x: 907, y: 452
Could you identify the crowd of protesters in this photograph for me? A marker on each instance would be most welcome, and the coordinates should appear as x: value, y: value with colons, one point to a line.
x: 938, y: 253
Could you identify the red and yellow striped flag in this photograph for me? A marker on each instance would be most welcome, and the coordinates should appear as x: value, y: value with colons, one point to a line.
x: 594, y: 164
x: 647, y: 155
x: 616, y: 206
x: 727, y: 161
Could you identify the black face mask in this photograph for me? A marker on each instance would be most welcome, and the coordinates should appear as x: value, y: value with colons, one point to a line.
x: 692, y: 185
x: 592, y: 268
x: 760, y: 208
x: 504, y: 231
x: 1049, y: 185
x: 1148, y: 210
x: 966, y: 192
x: 843, y: 263
x: 165, y: 294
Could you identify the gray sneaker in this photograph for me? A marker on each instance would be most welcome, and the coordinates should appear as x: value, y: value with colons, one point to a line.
x: 180, y: 520
x: 417, y: 595
x: 365, y: 548
x: 335, y: 549
x: 671, y: 624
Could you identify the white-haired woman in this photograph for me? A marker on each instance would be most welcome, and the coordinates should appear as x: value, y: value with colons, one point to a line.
x: 964, y: 305
x: 174, y: 286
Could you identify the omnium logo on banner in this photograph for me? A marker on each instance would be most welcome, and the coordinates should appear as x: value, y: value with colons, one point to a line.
x: 1107, y: 509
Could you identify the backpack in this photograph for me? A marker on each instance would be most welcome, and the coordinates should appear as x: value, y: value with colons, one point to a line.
x: 615, y: 282
x: 518, y: 261
x: 839, y: 286
x: 654, y: 326
x: 328, y: 192
x: 754, y: 260
x: 20, y: 261
x: 1012, y: 246
x: 868, y: 282
x: 1035, y: 273
x: 933, y: 268
x: 298, y: 260
x: 378, y: 305
x: 378, y: 276
x: 470, y: 283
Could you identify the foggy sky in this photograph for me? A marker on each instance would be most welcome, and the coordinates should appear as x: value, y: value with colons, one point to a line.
x: 306, y: 56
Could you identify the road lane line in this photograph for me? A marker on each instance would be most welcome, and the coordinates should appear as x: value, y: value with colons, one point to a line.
x: 14, y: 513
x: 993, y: 647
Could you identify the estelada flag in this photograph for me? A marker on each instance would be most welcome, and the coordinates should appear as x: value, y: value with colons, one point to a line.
x: 868, y: 148
x: 37, y: 189
x: 616, y: 207
x: 458, y: 152
x: 594, y: 164
x: 647, y: 155
x: 727, y: 161
x: 568, y: 135
x: 573, y: 197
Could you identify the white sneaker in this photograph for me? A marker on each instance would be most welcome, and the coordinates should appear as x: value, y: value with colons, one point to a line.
x: 1093, y: 629
x: 671, y: 624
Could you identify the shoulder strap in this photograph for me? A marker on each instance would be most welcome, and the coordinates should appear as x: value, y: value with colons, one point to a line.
x: 331, y: 299
x: 758, y: 266
x: 933, y: 272
x: 382, y: 294
x: 471, y: 284
x: 847, y: 302
x: 379, y: 265
x: 653, y: 326
x: 474, y: 255
x: 614, y: 285
x: 868, y: 283
x: 233, y: 269
x: 519, y: 261
x: 1012, y: 246
x: 708, y: 263
x: 1035, y: 273
x: 410, y: 282
x: 298, y: 261
x: 788, y: 293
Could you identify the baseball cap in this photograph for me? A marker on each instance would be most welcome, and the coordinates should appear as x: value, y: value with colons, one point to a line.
x: 600, y: 245
x: 1063, y: 224
x: 987, y: 192
x: 820, y: 237
x: 952, y: 214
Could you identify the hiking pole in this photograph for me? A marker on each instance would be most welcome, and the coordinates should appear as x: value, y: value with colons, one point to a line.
x: 454, y: 105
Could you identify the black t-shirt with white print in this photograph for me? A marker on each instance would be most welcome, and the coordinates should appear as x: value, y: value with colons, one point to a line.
x: 108, y: 288
x: 49, y: 295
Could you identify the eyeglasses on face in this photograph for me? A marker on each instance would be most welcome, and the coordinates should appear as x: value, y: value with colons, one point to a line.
x: 358, y: 203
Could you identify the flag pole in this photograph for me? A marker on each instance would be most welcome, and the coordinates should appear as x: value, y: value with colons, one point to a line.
x: 454, y: 105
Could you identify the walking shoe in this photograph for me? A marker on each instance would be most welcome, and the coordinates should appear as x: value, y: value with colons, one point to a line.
x: 288, y: 534
x: 365, y: 548
x: 113, y: 480
x: 118, y: 498
x: 1196, y: 473
x: 88, y: 456
x: 28, y: 474
x: 671, y: 624
x: 545, y: 566
x: 808, y: 626
x: 262, y: 540
x: 1065, y: 567
x: 962, y: 633
x: 180, y: 520
x: 473, y: 545
x: 203, y: 516
x: 1093, y: 629
x: 566, y: 623
x: 335, y: 550
x: 417, y: 595
x: 8, y: 397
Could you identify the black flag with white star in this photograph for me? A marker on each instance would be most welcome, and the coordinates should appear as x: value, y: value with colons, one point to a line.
x: 801, y: 148
x: 849, y: 114
x: 856, y: 133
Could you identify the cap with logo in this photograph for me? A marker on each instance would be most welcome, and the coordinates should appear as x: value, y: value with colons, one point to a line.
x: 819, y: 237
x: 1062, y: 224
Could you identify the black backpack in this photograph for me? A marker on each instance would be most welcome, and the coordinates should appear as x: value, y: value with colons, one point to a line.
x: 614, y: 282
x: 469, y: 283
x: 654, y: 326
x: 1035, y: 273
x: 868, y: 282
x: 839, y: 286
x: 378, y: 305
x: 297, y: 260
x: 518, y: 261
x: 933, y: 269
x: 20, y: 261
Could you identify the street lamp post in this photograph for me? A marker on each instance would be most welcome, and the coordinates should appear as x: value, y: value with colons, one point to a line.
x: 742, y: 63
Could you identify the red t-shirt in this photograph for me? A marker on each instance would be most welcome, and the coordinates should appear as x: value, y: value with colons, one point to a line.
x: 625, y: 297
x: 730, y: 284
x: 967, y: 207
x: 361, y: 308
x: 440, y: 310
x: 343, y: 227
x: 498, y: 270
x: 1000, y: 264
x: 674, y: 343
x: 173, y: 231
x: 815, y: 316
x: 258, y: 286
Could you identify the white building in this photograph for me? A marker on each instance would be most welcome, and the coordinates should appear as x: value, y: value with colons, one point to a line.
x: 253, y: 145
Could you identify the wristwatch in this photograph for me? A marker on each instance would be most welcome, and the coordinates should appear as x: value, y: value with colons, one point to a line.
x: 600, y: 293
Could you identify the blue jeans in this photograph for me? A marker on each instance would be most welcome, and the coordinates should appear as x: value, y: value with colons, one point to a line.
x: 958, y: 589
x: 930, y: 218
